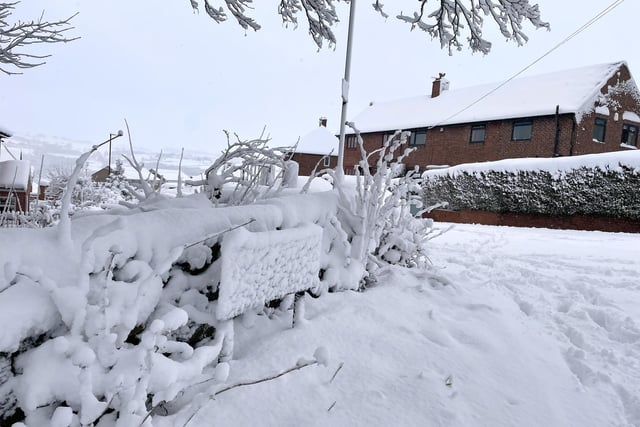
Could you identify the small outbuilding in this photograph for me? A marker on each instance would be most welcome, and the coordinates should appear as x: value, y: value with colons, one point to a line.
x: 15, y: 185
x: 319, y: 145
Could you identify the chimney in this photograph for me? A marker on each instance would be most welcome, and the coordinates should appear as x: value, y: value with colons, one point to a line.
x: 322, y: 122
x: 440, y: 84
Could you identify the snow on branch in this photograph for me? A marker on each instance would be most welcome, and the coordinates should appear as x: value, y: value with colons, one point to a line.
x: 455, y: 23
x: 21, y: 34
x: 448, y: 22
x: 250, y: 167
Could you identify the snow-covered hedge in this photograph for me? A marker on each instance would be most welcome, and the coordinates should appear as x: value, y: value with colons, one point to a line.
x: 601, y: 185
x: 109, y: 324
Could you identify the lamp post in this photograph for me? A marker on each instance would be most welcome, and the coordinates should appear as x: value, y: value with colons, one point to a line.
x: 345, y: 92
x: 112, y: 136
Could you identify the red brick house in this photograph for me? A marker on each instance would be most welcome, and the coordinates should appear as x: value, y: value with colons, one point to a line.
x: 587, y: 110
x: 315, y: 147
x: 15, y: 185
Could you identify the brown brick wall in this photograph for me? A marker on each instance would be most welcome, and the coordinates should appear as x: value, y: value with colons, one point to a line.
x: 21, y: 200
x: 613, y: 134
x: 306, y: 162
x: 575, y: 222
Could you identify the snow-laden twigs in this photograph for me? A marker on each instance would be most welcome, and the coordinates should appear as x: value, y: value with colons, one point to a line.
x: 379, y: 214
x: 21, y: 34
x: 455, y: 23
x: 320, y: 358
x: 146, y: 188
x: 246, y: 166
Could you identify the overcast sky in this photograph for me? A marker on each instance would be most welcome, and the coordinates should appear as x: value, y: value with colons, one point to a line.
x: 180, y: 78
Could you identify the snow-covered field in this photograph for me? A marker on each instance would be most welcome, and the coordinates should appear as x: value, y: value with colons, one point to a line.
x: 513, y: 327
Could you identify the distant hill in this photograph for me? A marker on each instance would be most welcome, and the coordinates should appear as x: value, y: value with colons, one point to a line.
x: 61, y: 153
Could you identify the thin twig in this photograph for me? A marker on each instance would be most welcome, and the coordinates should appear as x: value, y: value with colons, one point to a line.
x: 247, y: 383
x: 336, y: 372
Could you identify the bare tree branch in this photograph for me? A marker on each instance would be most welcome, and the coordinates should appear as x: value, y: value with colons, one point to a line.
x: 14, y: 37
x: 455, y: 23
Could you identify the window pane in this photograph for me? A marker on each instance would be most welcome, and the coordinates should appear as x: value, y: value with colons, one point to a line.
x: 419, y: 137
x: 478, y: 133
x: 599, y: 129
x: 630, y: 135
x: 522, y: 130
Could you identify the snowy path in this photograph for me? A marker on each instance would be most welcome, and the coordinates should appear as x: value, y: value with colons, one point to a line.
x: 582, y: 288
x: 520, y: 327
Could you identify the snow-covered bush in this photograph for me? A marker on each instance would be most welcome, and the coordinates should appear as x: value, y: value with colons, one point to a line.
x: 246, y: 171
x: 608, y: 189
x: 377, y: 213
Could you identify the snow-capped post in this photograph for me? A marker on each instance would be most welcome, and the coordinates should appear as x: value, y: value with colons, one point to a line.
x: 345, y: 94
x: 226, y: 350
x: 298, y: 309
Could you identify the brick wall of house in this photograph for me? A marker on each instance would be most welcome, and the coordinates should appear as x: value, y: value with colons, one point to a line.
x: 306, y: 162
x: 613, y: 134
x: 451, y: 145
x: 20, y: 198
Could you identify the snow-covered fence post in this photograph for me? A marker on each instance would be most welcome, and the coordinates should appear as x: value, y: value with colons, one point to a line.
x: 226, y: 331
x: 298, y: 309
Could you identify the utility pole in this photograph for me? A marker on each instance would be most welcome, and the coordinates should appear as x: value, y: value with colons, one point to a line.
x: 345, y: 92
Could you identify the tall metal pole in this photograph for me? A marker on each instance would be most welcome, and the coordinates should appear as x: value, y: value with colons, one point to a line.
x: 345, y: 92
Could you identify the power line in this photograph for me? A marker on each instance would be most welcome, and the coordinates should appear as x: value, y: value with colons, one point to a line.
x: 589, y: 23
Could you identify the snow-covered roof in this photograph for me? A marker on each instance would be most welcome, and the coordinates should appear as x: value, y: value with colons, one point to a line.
x: 18, y: 169
x: 573, y: 90
x: 318, y: 141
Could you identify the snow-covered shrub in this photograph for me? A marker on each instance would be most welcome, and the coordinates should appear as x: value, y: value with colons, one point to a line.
x: 377, y: 213
x: 601, y: 190
x: 246, y: 171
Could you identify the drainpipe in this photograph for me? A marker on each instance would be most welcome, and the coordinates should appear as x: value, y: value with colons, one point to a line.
x: 573, y: 134
x: 556, y: 141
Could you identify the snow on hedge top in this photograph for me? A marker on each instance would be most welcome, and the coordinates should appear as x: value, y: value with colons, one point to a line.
x: 318, y: 141
x: 573, y: 90
x: 555, y: 166
x: 18, y: 169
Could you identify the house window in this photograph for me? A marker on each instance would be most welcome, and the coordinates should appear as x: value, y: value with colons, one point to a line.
x: 352, y: 141
x: 478, y: 133
x: 630, y: 135
x: 522, y: 130
x: 599, y: 129
x: 327, y: 161
x: 387, y: 136
x: 418, y: 137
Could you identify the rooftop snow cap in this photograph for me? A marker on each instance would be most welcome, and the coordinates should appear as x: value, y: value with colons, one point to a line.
x: 440, y: 84
x: 322, y: 122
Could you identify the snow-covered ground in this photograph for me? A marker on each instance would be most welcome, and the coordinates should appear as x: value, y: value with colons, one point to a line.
x: 513, y: 327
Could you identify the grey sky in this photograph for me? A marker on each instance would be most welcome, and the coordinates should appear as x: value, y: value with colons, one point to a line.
x: 180, y: 78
